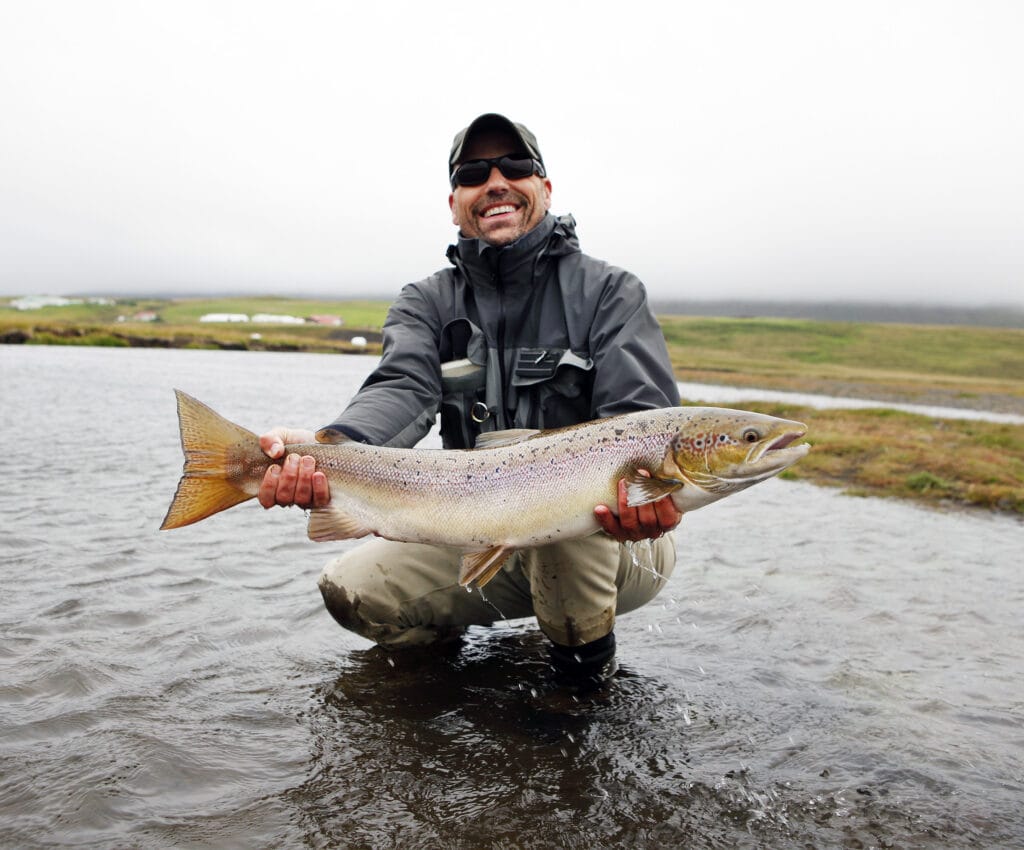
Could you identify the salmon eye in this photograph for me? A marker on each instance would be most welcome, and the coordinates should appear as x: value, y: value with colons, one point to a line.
x: 751, y: 436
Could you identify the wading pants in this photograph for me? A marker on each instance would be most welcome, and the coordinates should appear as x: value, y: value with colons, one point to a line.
x: 407, y: 594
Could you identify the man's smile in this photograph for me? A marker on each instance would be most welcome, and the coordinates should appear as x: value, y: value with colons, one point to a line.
x: 499, y: 210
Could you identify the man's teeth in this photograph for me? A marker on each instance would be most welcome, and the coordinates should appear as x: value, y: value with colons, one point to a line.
x: 499, y: 210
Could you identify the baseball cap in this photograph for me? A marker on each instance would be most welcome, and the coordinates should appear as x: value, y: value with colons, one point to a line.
x: 492, y: 120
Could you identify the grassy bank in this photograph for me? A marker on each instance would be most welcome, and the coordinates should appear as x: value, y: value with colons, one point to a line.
x: 878, y: 453
x: 177, y: 324
x: 939, y: 365
x: 887, y: 453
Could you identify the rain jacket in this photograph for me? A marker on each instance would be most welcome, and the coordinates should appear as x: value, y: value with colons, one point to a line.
x: 534, y: 334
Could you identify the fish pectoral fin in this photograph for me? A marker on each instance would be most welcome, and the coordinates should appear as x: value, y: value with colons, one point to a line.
x: 481, y: 567
x: 509, y: 437
x: 641, y: 490
x: 710, y: 483
x: 332, y: 523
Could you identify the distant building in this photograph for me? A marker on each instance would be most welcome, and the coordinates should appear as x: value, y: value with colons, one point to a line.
x: 145, y: 316
x: 275, y: 319
x: 34, y: 302
x: 224, y: 317
x: 335, y: 321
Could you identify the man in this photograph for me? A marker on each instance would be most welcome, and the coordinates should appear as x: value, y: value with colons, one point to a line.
x: 522, y: 331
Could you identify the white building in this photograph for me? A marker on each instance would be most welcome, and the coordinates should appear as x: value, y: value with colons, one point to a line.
x: 224, y: 317
x: 34, y: 302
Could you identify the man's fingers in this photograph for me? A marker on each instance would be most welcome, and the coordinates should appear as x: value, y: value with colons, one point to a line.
x: 297, y: 481
x: 272, y: 443
x: 649, y: 521
x: 304, y: 482
x: 668, y: 514
x: 285, y: 495
x: 607, y: 520
x: 321, y: 490
x: 267, y: 493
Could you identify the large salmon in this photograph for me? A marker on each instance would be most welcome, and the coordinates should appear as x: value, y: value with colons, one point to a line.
x: 516, y: 489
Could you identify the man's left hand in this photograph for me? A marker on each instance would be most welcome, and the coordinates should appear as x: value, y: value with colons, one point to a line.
x: 646, y: 522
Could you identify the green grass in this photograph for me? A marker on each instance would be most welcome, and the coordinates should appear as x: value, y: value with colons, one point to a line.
x: 771, y: 345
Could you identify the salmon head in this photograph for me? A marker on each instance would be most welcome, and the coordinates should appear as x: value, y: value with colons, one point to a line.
x: 718, y: 451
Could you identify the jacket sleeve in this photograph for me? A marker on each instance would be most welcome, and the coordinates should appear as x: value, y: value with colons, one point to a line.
x: 398, y: 402
x: 632, y: 370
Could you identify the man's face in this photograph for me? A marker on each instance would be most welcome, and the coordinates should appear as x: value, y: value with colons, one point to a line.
x: 500, y: 210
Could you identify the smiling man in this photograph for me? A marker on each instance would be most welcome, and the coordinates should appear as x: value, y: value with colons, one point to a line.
x: 523, y: 330
x: 492, y: 198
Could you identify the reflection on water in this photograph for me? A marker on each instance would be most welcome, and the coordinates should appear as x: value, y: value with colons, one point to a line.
x: 821, y: 670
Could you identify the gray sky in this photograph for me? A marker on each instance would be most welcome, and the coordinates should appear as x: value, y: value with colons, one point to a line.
x: 813, y: 150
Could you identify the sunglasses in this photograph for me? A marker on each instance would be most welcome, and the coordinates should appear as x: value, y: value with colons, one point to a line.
x: 477, y: 171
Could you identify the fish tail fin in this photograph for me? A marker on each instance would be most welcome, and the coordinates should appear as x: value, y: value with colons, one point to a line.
x: 212, y: 447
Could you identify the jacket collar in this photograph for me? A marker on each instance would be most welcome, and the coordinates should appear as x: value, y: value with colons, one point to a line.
x: 554, y: 236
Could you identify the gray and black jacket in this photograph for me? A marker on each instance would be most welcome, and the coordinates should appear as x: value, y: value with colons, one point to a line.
x: 534, y: 334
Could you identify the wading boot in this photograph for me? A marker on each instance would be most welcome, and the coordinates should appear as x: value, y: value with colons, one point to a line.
x: 585, y: 668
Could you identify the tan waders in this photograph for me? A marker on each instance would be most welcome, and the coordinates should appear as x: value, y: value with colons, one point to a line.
x: 407, y: 594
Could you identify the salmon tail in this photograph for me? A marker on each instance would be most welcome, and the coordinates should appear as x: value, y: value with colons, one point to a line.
x: 213, y: 447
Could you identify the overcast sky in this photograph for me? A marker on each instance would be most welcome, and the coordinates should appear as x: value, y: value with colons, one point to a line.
x: 816, y: 150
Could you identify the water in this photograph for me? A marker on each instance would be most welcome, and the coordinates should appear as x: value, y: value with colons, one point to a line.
x: 821, y: 671
x: 717, y: 394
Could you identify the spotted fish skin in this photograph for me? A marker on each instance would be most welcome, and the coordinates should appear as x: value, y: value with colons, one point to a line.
x: 520, y: 489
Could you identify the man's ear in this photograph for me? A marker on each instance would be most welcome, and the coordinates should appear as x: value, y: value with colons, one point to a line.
x: 547, y: 194
x: 451, y: 206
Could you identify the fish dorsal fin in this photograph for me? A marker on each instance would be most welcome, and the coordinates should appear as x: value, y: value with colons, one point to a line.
x: 481, y: 567
x: 509, y: 437
x: 332, y: 523
x: 641, y: 490
x: 330, y: 434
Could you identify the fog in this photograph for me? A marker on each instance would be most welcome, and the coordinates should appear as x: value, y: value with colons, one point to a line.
x: 792, y: 150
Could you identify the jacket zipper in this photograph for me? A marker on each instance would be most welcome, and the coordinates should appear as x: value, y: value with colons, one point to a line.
x: 503, y: 422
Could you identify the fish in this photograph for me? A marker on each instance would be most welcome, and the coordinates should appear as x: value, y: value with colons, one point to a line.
x: 517, y: 489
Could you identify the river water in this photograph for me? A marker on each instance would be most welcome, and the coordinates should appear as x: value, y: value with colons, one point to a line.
x: 821, y: 671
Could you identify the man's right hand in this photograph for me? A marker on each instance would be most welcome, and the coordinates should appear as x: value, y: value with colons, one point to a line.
x: 295, y: 482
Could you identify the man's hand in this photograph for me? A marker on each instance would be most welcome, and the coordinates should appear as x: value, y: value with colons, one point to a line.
x: 296, y: 481
x: 645, y: 522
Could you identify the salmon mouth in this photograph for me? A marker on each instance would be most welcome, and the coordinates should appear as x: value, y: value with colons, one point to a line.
x: 784, y: 441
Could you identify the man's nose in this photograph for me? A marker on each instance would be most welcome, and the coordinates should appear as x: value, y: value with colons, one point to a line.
x: 496, y: 181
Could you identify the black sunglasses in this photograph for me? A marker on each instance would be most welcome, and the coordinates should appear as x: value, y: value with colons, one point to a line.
x: 477, y: 171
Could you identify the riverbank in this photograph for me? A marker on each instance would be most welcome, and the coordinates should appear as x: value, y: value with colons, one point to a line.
x: 888, y: 453
x: 880, y: 452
